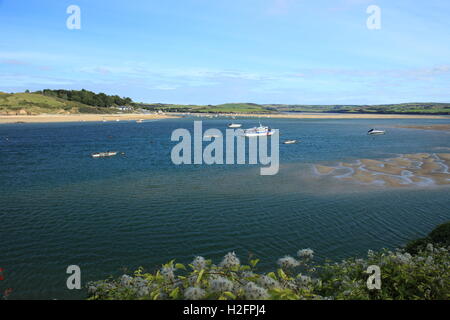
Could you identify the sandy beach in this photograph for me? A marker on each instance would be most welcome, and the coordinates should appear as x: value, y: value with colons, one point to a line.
x: 81, y: 117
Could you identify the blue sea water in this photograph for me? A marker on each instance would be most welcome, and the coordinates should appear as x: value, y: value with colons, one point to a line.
x: 59, y: 206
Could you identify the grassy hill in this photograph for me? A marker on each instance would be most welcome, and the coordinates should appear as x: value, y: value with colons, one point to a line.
x: 221, y: 108
x: 410, y: 108
x: 33, y: 103
x: 404, y: 108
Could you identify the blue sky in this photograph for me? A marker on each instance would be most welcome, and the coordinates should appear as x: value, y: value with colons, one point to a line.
x: 217, y: 51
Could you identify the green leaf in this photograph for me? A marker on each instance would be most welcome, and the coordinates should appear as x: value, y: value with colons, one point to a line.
x: 180, y: 266
x: 272, y: 275
x: 175, y: 293
x: 282, y: 274
x: 254, y: 262
x: 200, y: 275
x: 230, y: 295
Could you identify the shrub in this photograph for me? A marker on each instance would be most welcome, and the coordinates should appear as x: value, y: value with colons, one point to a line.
x: 425, y: 275
x: 440, y: 236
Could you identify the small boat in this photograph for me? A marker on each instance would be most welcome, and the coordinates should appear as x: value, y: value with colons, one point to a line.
x: 375, y: 132
x: 140, y: 121
x: 209, y: 136
x: 258, y: 131
x: 290, y: 141
x: 234, y: 125
x: 104, y: 154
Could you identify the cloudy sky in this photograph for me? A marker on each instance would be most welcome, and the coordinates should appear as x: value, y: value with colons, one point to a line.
x: 217, y: 51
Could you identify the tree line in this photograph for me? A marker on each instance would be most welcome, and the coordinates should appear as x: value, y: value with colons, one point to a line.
x: 88, y: 97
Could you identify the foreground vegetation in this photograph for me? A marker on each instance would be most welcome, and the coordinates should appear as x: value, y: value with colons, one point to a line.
x: 422, y: 274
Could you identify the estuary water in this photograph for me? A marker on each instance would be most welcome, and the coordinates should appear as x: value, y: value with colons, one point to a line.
x: 60, y: 207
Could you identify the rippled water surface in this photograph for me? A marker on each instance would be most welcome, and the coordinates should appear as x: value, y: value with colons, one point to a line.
x: 59, y: 206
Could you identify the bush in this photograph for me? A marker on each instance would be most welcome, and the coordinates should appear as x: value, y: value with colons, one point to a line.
x: 425, y: 275
x: 440, y: 236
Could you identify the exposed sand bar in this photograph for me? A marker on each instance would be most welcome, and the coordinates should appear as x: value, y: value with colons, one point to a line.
x: 326, y: 116
x: 82, y: 117
x: 420, y: 169
x: 439, y: 127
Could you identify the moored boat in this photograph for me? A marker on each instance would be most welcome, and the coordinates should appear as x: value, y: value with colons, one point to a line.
x: 375, y: 132
x: 258, y: 131
x: 104, y: 154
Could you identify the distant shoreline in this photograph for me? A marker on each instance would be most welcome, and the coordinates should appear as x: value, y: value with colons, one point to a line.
x: 311, y: 115
x: 43, y: 118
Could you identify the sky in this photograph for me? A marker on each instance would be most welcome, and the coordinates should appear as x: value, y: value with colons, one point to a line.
x: 220, y: 51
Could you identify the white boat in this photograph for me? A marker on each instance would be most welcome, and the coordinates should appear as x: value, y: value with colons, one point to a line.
x: 209, y: 136
x: 375, y: 132
x: 258, y: 131
x: 140, y: 121
x: 290, y: 141
x: 104, y: 154
x: 234, y: 125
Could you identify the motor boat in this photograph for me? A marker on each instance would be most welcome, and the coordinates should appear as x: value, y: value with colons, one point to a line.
x: 290, y: 141
x: 104, y: 154
x: 375, y: 132
x: 258, y: 131
x: 234, y: 125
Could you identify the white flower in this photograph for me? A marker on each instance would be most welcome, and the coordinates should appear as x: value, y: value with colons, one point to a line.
x: 305, y: 253
x: 254, y: 292
x: 192, y: 279
x: 92, y: 290
x: 142, y: 291
x: 303, y: 280
x: 125, y: 280
x: 287, y: 262
x: 403, y: 258
x: 167, y: 273
x: 430, y: 247
x: 221, y: 285
x: 268, y: 282
x: 230, y: 260
x: 199, y: 263
x: 194, y: 293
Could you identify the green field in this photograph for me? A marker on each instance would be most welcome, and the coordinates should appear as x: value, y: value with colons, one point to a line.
x: 33, y: 103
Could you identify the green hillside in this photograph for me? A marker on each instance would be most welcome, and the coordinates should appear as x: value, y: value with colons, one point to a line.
x: 221, y: 108
x: 410, y: 108
x: 34, y: 103
x: 404, y: 108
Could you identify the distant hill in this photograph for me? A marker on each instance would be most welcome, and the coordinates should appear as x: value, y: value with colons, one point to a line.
x: 34, y: 103
x: 221, y: 108
x: 84, y: 101
x: 403, y: 108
